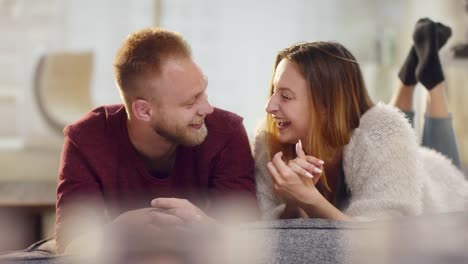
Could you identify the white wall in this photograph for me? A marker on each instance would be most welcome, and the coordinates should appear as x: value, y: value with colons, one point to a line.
x: 68, y: 25
x: 101, y: 26
x: 235, y: 42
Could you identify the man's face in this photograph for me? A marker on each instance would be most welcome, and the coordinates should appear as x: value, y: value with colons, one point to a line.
x: 182, y: 103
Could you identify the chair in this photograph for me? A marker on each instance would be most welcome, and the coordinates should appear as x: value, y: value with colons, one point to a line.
x: 62, y: 87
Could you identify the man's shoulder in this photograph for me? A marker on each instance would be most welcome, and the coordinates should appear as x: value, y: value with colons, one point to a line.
x: 96, y: 122
x: 223, y: 121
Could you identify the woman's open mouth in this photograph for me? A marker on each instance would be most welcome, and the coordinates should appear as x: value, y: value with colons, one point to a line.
x: 282, y: 123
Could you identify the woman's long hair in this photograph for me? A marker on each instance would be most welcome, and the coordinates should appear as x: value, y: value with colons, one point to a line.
x: 337, y: 95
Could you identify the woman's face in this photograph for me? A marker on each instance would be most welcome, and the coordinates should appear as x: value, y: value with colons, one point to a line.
x: 289, y: 104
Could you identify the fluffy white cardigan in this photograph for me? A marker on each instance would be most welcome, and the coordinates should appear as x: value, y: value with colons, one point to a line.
x: 387, y: 172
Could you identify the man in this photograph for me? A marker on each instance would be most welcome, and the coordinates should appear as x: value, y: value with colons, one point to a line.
x: 165, y: 142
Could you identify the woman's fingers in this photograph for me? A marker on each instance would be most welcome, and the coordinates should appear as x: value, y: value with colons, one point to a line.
x: 310, y: 167
x: 280, y: 166
x: 299, y: 170
x: 300, y: 151
x: 301, y: 154
x: 281, y: 172
x: 273, y: 171
x: 317, y: 162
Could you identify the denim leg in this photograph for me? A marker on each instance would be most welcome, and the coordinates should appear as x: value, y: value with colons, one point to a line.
x: 439, y: 135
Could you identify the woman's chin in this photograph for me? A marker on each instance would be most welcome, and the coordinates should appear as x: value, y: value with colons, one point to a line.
x: 287, y: 140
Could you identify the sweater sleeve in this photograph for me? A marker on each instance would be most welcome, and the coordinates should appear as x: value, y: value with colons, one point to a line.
x: 80, y: 202
x: 382, y: 167
x: 270, y: 205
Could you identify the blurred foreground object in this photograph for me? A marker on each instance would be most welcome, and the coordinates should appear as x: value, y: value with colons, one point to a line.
x: 439, y: 238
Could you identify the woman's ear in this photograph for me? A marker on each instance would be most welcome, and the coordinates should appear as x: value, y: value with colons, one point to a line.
x: 142, y: 110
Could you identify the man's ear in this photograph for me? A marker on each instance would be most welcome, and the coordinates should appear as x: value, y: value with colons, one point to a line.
x: 142, y: 110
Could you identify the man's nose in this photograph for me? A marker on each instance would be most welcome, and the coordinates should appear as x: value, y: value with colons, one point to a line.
x: 206, y: 107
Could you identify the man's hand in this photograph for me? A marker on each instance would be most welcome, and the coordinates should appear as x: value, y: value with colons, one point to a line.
x: 181, y: 209
x: 146, y: 218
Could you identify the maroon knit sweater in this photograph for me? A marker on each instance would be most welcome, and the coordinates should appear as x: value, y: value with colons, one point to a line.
x: 99, y: 166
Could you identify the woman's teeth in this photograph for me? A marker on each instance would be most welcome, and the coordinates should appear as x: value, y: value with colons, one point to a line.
x: 282, y: 122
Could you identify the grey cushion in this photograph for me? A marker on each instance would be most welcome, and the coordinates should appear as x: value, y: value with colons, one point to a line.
x: 436, y: 238
x: 302, y: 240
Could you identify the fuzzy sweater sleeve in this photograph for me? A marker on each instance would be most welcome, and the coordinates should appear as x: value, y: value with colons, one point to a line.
x: 270, y: 204
x: 382, y: 166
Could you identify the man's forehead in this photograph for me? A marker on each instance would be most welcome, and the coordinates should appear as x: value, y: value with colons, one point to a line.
x: 178, y: 65
x: 174, y: 65
x: 183, y: 77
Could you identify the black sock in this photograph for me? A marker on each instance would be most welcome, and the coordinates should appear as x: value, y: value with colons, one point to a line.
x: 407, y: 71
x: 428, y: 38
x: 443, y: 33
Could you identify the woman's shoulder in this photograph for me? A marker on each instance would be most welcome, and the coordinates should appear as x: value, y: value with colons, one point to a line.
x: 384, y: 124
x: 260, y: 148
x: 384, y: 118
x: 384, y: 136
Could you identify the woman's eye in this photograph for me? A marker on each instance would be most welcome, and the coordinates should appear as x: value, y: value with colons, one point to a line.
x: 286, y: 97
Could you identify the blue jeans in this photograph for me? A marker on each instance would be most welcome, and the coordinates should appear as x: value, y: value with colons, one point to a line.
x: 438, y: 134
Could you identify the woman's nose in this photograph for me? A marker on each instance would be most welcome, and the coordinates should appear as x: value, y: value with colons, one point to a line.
x: 272, y: 106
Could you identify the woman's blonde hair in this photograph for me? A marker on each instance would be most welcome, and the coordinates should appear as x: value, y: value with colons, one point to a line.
x: 337, y: 95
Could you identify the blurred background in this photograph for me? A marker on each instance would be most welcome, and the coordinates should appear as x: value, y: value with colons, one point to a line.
x: 56, y: 64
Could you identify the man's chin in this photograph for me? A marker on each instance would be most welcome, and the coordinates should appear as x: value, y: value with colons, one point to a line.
x: 192, y: 139
x: 188, y: 137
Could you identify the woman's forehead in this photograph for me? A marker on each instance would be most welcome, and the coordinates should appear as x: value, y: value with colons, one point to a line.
x: 287, y: 75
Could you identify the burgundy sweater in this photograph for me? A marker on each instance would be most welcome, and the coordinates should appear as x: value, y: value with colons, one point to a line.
x: 99, y: 166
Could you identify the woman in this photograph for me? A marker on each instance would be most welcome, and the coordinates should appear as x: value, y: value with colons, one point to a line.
x: 363, y: 159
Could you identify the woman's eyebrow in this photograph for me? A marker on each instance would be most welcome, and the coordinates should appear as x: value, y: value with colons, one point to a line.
x: 285, y: 89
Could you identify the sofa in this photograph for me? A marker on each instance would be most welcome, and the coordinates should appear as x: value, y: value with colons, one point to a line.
x: 438, y: 238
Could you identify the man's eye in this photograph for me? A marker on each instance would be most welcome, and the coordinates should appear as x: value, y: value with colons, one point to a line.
x: 189, y: 105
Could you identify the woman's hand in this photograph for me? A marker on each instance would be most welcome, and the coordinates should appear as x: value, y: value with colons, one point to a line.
x: 308, y: 166
x: 294, y: 184
x: 289, y: 184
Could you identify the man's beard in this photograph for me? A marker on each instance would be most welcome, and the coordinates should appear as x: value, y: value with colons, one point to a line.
x: 183, y: 135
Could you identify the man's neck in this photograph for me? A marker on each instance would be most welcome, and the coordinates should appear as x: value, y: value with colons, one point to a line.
x: 152, y: 147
